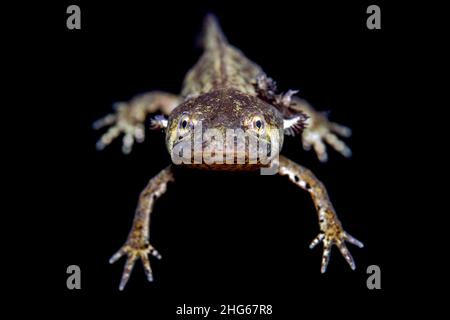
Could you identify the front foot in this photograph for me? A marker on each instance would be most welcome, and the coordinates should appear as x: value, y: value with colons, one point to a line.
x: 134, y: 249
x: 335, y: 235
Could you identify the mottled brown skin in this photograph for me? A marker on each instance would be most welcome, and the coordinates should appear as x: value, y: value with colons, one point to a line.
x: 223, y: 109
x: 224, y: 91
x: 331, y: 232
x: 137, y: 244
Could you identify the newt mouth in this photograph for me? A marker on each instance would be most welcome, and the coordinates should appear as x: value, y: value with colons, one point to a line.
x: 186, y: 151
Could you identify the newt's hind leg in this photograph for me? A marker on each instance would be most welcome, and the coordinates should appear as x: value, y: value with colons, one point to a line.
x: 331, y: 231
x: 320, y: 131
x: 129, y: 118
x: 300, y: 117
x: 137, y: 245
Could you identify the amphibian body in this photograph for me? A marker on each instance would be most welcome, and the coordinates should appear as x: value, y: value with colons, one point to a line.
x: 228, y: 116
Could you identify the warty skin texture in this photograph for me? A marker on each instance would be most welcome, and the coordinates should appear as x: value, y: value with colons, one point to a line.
x: 226, y: 91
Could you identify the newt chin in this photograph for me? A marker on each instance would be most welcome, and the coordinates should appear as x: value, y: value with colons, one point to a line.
x: 228, y: 116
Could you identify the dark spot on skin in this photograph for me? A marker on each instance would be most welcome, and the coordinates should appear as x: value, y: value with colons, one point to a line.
x: 297, y: 179
x: 180, y: 137
x: 308, y: 186
x: 258, y: 124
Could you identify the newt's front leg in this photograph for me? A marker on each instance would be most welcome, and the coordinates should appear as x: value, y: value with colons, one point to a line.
x: 331, y: 231
x: 137, y: 244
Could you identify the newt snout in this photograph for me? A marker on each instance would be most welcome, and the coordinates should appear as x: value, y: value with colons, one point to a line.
x: 226, y: 130
x: 229, y: 116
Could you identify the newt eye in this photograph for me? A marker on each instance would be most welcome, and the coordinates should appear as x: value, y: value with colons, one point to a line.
x: 258, y: 123
x: 184, y: 122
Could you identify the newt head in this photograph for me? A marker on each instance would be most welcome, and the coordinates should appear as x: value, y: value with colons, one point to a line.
x: 224, y: 130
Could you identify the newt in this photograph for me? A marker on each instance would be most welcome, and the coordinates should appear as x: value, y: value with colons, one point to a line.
x: 228, y: 116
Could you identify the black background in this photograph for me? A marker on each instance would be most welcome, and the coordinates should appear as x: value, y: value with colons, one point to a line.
x: 224, y: 238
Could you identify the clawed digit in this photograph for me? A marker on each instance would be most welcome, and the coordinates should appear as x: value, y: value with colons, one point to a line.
x: 120, y: 124
x: 133, y: 254
x: 328, y: 242
x: 321, y: 131
x: 128, y: 118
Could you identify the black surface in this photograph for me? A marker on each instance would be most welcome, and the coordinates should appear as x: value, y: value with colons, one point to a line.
x: 224, y: 238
